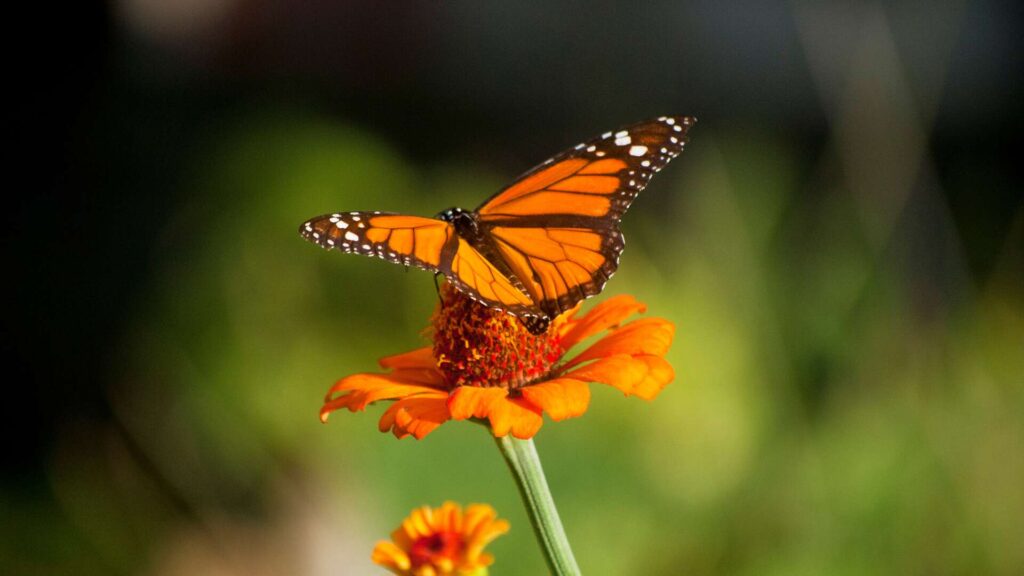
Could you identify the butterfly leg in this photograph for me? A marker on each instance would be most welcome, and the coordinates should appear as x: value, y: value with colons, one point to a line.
x: 437, y: 288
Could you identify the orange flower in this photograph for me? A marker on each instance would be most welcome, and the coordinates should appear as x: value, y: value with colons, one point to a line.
x: 484, y: 364
x: 441, y: 542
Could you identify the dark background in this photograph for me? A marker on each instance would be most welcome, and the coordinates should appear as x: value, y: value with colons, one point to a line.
x: 851, y: 185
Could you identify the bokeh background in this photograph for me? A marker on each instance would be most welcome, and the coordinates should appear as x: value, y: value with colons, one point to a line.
x: 841, y: 248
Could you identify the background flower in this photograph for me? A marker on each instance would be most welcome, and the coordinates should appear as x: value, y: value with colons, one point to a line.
x: 442, y: 541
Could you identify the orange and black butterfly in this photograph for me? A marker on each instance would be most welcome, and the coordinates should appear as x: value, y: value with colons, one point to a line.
x: 537, y: 247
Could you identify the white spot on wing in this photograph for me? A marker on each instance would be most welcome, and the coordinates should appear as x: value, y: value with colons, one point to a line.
x: 623, y: 140
x: 351, y: 237
x: 638, y: 150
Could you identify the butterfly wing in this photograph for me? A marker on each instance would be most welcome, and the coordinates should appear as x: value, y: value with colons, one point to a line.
x: 557, y: 227
x: 474, y: 274
x: 425, y: 243
x: 398, y: 238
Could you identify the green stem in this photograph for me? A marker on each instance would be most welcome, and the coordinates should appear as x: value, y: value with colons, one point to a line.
x: 524, y: 462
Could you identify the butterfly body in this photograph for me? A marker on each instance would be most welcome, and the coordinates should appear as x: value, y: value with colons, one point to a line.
x: 535, y: 248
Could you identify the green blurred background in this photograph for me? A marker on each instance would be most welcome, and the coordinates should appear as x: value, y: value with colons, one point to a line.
x: 841, y: 248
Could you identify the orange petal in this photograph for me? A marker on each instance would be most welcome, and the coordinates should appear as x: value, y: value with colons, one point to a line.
x: 620, y: 371
x: 426, y: 376
x: 561, y: 398
x: 478, y: 515
x: 359, y: 390
x: 516, y: 416
x: 644, y: 336
x: 418, y: 358
x: 603, y: 316
x: 418, y: 416
x: 390, y: 556
x: 450, y: 516
x: 642, y: 376
x: 432, y: 379
x: 469, y: 401
x: 659, y: 374
x: 505, y: 414
x: 481, y: 527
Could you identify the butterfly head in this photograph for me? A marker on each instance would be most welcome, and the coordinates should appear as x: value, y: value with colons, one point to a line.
x: 464, y: 221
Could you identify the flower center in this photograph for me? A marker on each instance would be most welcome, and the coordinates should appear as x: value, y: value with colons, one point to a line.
x: 475, y: 345
x: 434, y: 549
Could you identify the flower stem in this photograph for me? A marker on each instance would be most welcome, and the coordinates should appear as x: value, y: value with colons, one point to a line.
x: 524, y: 462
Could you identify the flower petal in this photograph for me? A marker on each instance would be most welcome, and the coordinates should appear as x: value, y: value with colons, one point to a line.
x: 431, y: 379
x: 417, y: 525
x: 561, y: 398
x: 640, y: 337
x: 467, y: 401
x: 359, y: 390
x: 418, y: 358
x: 506, y: 415
x: 418, y: 415
x: 481, y: 527
x: 390, y: 556
x: 659, y: 374
x: 603, y: 316
x: 643, y: 375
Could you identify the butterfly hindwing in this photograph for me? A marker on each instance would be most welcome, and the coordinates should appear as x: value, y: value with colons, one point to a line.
x: 559, y: 266
x: 473, y: 273
x: 557, y: 225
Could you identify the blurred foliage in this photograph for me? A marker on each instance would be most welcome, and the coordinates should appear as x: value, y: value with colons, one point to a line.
x: 841, y: 405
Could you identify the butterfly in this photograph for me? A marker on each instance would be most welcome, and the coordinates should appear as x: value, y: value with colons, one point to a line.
x: 535, y: 248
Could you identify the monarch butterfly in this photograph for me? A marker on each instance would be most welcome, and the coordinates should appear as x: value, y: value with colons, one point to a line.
x: 535, y: 248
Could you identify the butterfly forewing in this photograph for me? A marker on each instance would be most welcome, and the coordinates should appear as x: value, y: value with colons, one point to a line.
x: 557, y: 226
x: 406, y: 240
x: 598, y: 178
